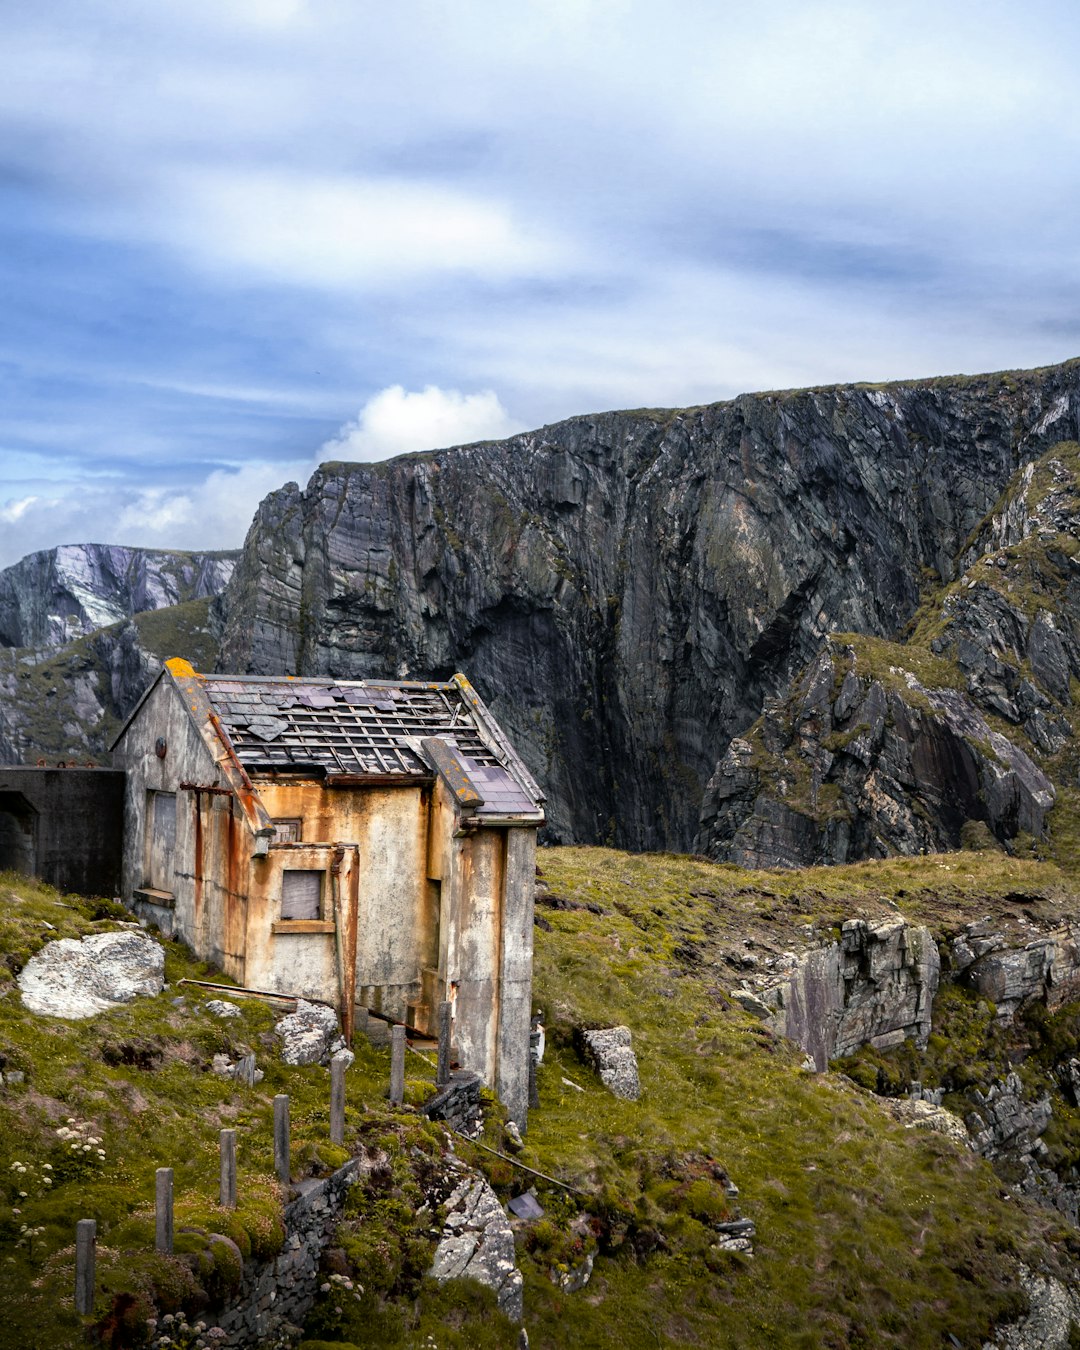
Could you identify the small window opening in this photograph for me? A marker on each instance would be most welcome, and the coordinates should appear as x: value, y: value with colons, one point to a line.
x: 288, y: 831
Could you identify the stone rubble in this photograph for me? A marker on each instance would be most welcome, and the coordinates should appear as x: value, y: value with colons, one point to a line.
x: 76, y: 979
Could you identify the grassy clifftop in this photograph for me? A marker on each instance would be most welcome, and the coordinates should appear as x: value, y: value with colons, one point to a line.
x: 867, y: 1234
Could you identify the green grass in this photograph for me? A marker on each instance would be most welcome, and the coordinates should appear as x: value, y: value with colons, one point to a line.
x: 866, y: 1234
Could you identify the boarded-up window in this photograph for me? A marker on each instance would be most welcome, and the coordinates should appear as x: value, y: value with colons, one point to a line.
x: 287, y: 831
x: 161, y: 839
x: 301, y: 893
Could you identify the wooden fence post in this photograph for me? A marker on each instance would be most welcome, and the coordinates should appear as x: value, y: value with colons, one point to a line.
x: 163, y: 1210
x: 397, y: 1065
x: 446, y: 1022
x: 85, y: 1252
x: 281, y: 1138
x: 337, y: 1101
x: 227, y: 1140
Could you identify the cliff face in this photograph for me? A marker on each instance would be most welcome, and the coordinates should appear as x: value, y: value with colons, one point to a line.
x: 628, y: 590
x: 49, y: 598
x: 965, y: 733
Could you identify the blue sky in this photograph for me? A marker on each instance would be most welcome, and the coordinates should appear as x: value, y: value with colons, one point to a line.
x: 241, y: 236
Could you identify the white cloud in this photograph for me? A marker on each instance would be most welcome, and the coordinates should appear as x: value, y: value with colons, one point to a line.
x: 12, y: 511
x: 213, y: 513
x: 334, y: 231
x: 396, y: 421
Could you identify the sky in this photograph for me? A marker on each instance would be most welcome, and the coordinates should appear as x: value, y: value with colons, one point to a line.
x: 240, y: 237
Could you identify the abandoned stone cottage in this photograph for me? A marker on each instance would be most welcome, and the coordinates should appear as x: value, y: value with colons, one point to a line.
x: 363, y: 843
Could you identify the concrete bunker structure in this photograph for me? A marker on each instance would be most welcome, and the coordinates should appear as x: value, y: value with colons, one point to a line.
x: 63, y: 824
x: 366, y: 843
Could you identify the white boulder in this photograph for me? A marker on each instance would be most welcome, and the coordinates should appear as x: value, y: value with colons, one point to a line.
x: 75, y: 979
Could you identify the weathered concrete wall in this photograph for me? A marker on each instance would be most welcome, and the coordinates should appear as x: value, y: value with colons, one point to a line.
x: 64, y: 826
x: 515, y: 973
x: 417, y: 906
x: 212, y: 844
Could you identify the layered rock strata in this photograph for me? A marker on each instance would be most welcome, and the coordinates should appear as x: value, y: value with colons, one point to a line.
x: 627, y: 590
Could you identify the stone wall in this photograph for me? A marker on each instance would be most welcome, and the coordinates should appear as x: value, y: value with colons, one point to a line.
x: 277, y: 1295
x: 458, y: 1104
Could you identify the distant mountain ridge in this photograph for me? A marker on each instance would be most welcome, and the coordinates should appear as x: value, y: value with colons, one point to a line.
x: 53, y: 596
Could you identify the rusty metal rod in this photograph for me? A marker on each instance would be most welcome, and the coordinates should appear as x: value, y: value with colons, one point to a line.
x: 586, y: 1195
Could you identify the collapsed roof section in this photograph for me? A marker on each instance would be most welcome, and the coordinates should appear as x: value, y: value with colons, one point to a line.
x: 350, y: 732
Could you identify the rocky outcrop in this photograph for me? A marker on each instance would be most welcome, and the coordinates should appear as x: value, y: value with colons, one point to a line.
x: 860, y: 764
x: 628, y: 590
x: 310, y: 1034
x: 49, y: 598
x: 76, y: 979
x: 478, y: 1244
x: 886, y: 748
x: 875, y: 986
x: 68, y: 703
x: 1010, y: 976
x: 1053, y: 1313
x: 610, y: 1051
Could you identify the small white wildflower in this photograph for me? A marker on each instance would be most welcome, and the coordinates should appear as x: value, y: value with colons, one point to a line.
x: 22, y: 1195
x: 46, y: 1167
x: 47, y: 1181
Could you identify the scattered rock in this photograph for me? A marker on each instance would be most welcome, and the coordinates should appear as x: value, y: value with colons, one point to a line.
x: 76, y: 979
x: 611, y: 1052
x: 223, y: 1008
x: 309, y: 1034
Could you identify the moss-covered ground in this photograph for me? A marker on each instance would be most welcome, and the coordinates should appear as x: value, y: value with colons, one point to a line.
x: 867, y: 1235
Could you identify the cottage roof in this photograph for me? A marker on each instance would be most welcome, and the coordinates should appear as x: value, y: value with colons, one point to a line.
x: 369, y: 729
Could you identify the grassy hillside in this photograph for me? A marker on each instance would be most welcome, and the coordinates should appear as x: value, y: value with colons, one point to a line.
x: 867, y: 1234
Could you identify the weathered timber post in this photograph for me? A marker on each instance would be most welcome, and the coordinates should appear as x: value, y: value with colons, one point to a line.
x: 281, y: 1138
x: 85, y: 1253
x: 446, y: 1022
x: 245, y: 1070
x: 397, y: 1065
x: 163, y: 1210
x: 227, y: 1139
x: 337, y: 1101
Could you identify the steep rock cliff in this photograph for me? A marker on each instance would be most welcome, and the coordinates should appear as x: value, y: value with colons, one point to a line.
x: 627, y: 590
x: 965, y: 733
x: 52, y: 597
